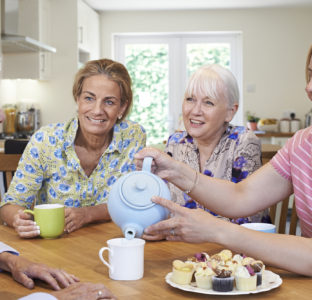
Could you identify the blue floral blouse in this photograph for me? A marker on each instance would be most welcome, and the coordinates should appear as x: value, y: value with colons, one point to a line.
x: 237, y: 155
x: 50, y: 172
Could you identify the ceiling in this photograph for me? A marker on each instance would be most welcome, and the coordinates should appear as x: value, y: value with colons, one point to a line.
x: 122, y: 5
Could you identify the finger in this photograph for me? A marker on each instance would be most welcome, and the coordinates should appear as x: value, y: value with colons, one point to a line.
x: 174, y: 238
x: 173, y: 207
x: 25, y: 216
x: 23, y: 279
x: 74, y: 278
x: 162, y: 227
x: 28, y: 232
x: 153, y: 237
x: 47, y: 277
x: 70, y: 278
x: 106, y: 294
x: 70, y: 227
x: 148, y: 151
x: 68, y: 211
x: 25, y: 223
x: 62, y: 277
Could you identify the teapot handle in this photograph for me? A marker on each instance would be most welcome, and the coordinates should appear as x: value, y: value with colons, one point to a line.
x: 147, y: 164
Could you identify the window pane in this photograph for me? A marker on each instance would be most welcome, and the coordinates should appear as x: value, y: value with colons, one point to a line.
x: 148, y: 67
x: 207, y: 53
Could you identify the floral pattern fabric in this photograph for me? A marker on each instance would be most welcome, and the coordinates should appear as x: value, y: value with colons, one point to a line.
x: 50, y: 172
x: 237, y: 155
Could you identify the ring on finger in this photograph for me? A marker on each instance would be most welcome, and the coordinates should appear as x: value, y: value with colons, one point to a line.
x: 172, y: 232
x: 99, y: 294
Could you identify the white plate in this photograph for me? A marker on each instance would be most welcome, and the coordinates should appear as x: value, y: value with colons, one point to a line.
x: 270, y: 281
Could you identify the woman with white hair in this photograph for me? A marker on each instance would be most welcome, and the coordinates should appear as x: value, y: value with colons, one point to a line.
x: 209, y: 144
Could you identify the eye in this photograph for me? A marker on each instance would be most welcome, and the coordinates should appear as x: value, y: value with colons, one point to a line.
x: 189, y: 99
x: 208, y: 102
x: 88, y: 99
x: 110, y: 101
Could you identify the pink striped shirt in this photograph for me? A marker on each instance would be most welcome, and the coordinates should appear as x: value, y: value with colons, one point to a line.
x: 294, y: 162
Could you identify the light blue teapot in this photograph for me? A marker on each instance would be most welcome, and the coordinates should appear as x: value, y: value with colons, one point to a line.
x: 129, y: 202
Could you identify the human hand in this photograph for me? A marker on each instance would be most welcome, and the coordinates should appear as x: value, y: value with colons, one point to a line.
x: 154, y: 236
x: 75, y: 218
x: 24, y: 271
x: 84, y: 291
x: 163, y: 164
x: 188, y: 225
x: 25, y: 226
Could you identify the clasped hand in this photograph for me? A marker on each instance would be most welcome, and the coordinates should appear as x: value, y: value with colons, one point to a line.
x: 24, y: 225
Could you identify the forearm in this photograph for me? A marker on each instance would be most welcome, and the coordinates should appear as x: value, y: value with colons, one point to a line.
x: 218, y: 195
x: 98, y: 213
x: 292, y: 253
x: 260, y: 190
x: 8, y: 211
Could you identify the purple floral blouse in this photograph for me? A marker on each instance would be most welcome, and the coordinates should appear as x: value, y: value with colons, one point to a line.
x: 237, y: 155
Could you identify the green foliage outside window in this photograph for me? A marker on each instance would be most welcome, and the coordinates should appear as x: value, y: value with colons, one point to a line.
x: 148, y: 67
x: 204, y: 54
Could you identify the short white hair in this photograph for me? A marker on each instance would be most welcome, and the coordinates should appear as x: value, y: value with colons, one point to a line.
x: 213, y: 81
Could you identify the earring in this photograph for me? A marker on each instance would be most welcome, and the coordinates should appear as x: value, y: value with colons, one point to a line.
x: 119, y: 117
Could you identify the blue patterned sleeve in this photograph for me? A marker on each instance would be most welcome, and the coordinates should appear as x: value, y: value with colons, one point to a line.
x: 247, y: 156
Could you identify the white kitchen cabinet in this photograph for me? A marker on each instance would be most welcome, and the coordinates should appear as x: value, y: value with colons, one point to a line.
x: 20, y: 61
x: 88, y: 33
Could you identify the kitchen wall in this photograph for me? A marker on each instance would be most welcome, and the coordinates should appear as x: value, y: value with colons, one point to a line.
x: 275, y: 44
x: 53, y: 97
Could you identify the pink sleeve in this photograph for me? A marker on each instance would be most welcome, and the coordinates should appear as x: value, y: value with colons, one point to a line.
x: 281, y: 161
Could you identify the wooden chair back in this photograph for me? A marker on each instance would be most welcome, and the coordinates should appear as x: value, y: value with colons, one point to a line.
x: 279, y: 212
x: 8, y: 165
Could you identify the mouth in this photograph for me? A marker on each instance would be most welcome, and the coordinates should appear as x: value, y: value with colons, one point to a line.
x: 96, y: 121
x: 196, y: 122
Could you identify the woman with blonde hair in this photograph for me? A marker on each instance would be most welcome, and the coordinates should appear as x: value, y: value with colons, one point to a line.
x: 210, y: 144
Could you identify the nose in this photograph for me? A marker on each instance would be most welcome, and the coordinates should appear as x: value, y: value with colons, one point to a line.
x: 197, y: 107
x: 97, y: 108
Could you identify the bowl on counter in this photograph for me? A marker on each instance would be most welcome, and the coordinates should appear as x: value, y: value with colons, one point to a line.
x: 269, y: 125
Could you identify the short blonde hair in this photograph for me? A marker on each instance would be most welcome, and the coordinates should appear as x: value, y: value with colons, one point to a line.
x: 308, y: 63
x: 212, y: 80
x: 114, y: 71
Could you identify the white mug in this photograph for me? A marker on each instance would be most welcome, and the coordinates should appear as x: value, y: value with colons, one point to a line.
x: 126, y: 258
x: 264, y: 227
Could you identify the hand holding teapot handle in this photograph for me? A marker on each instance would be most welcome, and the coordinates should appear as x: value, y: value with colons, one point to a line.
x: 162, y: 165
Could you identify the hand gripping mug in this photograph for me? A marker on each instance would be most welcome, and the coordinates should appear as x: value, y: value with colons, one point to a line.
x: 50, y: 218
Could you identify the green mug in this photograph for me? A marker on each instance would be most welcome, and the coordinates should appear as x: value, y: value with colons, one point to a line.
x: 50, y: 218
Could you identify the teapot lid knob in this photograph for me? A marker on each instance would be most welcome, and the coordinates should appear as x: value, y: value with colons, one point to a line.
x: 138, y: 188
x: 140, y: 185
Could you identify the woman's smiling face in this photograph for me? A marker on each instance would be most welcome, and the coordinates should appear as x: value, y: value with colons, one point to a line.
x: 99, y: 105
x: 204, y: 118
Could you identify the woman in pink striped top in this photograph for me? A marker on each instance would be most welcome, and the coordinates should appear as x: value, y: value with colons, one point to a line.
x: 290, y: 171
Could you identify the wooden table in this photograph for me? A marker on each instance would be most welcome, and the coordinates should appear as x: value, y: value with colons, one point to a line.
x: 77, y: 253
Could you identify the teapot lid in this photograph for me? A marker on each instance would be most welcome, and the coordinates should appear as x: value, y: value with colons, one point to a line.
x: 138, y: 188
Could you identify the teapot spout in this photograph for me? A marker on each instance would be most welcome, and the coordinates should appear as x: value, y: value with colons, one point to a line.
x: 131, y: 231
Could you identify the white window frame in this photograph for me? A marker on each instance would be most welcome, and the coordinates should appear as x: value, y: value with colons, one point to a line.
x: 177, y: 62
